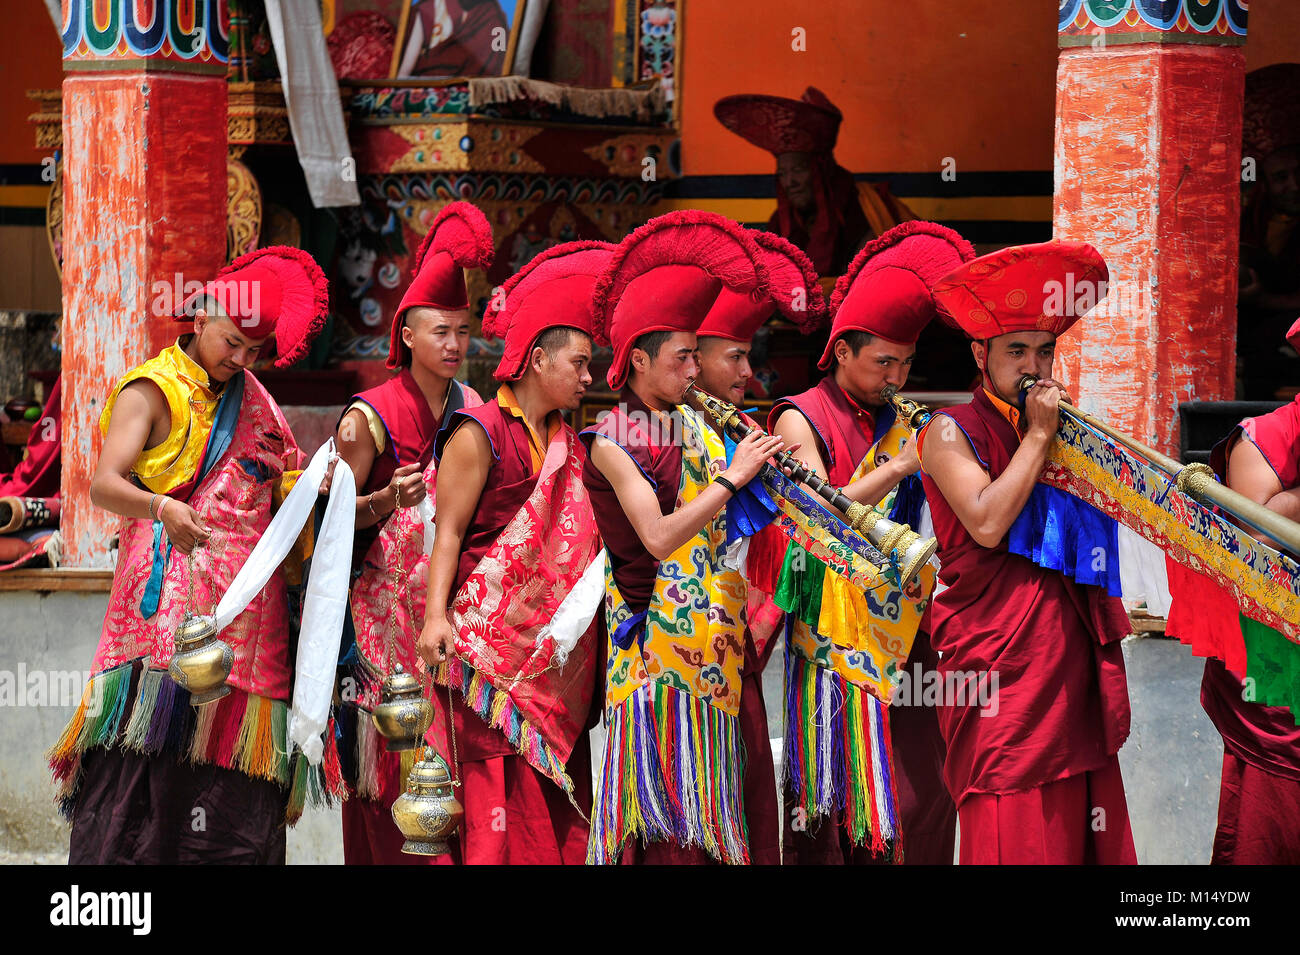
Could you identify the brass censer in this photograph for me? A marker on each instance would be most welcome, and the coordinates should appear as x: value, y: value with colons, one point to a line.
x: 201, y: 661
x: 428, y: 813
x: 403, y: 715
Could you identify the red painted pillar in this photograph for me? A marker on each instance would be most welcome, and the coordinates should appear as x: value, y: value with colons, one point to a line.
x: 144, y: 200
x: 1148, y: 169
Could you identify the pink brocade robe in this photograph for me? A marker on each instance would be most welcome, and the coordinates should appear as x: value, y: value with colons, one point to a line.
x: 235, y: 500
x: 135, y: 752
x: 388, y: 614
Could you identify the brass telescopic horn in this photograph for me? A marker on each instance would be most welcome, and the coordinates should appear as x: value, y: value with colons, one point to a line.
x: 885, y: 535
x: 1196, y: 480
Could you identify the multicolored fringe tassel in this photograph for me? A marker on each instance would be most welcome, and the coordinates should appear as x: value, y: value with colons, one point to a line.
x: 380, y: 774
x: 672, y: 773
x: 143, y: 710
x: 838, y: 754
x: 496, y: 709
x: 370, y: 757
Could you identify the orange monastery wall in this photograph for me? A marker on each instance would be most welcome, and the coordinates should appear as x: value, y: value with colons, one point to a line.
x: 1274, y: 35
x: 916, y: 81
x: 30, y: 58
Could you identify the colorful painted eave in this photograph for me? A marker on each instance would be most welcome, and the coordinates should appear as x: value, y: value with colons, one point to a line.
x: 102, y: 34
x: 1102, y: 23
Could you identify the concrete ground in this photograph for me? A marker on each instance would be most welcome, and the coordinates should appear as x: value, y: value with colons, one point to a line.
x: 1171, y: 760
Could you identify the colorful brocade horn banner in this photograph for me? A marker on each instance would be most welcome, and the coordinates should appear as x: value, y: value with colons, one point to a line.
x: 1247, y: 595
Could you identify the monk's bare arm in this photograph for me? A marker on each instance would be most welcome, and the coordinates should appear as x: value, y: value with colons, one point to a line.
x: 357, y: 448
x: 986, y: 508
x: 793, y: 428
x: 871, y: 487
x: 799, y: 436
x: 137, y: 415
x: 141, y: 419
x: 468, y: 456
x: 661, y: 534
x: 1250, y: 474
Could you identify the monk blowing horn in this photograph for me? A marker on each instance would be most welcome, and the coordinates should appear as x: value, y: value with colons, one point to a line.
x: 1196, y: 480
x: 914, y: 551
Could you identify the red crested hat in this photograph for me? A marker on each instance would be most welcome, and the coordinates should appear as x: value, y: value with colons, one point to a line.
x: 460, y: 238
x: 810, y: 124
x: 1045, y: 287
x: 793, y: 290
x: 552, y: 291
x: 666, y: 275
x: 887, y: 288
x: 278, y: 290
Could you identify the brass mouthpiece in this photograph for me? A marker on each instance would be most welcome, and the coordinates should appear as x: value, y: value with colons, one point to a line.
x: 916, y: 415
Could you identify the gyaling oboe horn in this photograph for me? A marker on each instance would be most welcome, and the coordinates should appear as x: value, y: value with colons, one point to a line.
x: 885, y: 535
x: 916, y: 415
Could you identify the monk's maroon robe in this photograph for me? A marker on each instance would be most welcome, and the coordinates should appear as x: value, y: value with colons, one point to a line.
x: 1259, y: 798
x: 369, y: 835
x: 1031, y: 770
x: 469, y: 50
x: 540, y: 826
x: 845, y: 433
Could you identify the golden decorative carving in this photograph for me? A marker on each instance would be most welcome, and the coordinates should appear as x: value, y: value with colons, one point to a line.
x: 54, y: 218
x: 255, y: 113
x: 436, y: 147
x: 624, y: 155
x: 48, y: 119
x: 243, y: 210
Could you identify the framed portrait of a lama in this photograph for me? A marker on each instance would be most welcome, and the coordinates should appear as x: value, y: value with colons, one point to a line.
x: 441, y: 38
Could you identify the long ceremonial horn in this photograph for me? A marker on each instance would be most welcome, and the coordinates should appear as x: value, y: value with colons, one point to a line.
x: 885, y: 535
x: 1196, y: 480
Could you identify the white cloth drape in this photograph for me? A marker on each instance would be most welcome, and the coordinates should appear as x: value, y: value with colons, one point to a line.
x: 425, y: 510
x: 1142, y: 572
x: 576, y: 611
x: 311, y: 93
x: 327, y: 591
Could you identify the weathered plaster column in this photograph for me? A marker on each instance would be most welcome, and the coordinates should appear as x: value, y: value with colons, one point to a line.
x: 1148, y: 169
x: 144, y: 200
